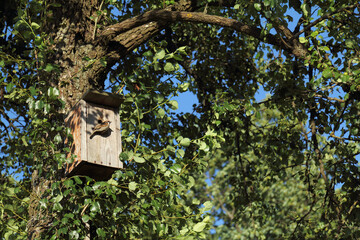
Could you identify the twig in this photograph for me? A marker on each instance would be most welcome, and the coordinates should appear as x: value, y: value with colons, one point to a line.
x: 326, y: 16
x: 96, y: 19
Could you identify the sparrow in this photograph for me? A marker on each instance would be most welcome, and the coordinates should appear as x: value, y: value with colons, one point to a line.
x: 101, y: 128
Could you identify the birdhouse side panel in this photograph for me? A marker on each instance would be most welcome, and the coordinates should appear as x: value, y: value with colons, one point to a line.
x: 73, y: 121
x: 83, y: 130
x: 103, y: 148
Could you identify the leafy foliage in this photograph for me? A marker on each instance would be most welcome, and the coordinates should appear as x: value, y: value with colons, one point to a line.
x: 237, y: 167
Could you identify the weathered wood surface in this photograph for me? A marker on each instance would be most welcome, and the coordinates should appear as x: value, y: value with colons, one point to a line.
x: 103, y: 149
x: 103, y: 98
x: 73, y: 121
x: 97, y: 157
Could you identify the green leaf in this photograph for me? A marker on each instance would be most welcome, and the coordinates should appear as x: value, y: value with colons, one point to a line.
x: 326, y: 48
x: 24, y: 141
x: 161, y: 112
x: 207, y: 206
x: 180, y: 153
x: 349, y: 43
x: 327, y: 73
x: 184, y: 230
x: 173, y: 104
x: 39, y: 104
x: 9, y: 87
x: 183, y: 87
x: 203, y: 146
x: 57, y: 138
x: 49, y: 67
x: 302, y: 40
x: 181, y: 50
x: 58, y: 198
x: 257, y: 6
x: 57, y: 207
x: 176, y: 168
x: 169, y: 67
x: 157, y: 67
x: 101, y: 233
x: 199, y: 227
x: 305, y: 8
x: 103, y: 62
x: 74, y: 234
x: 33, y: 91
x: 148, y: 54
x: 345, y: 77
x: 191, y: 182
x: 132, y: 186
x: 77, y: 180
x: 160, y: 55
x: 124, y: 156
x: 314, y: 34
x: 95, y: 207
x: 47, y: 108
x: 211, y: 133
x: 139, y: 159
x: 170, y: 148
x: 185, y: 142
x: 34, y: 25
x: 69, y: 183
x: 43, y: 204
x: 85, y: 218
x: 112, y: 181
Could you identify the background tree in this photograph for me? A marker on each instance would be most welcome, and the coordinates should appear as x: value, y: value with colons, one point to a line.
x: 284, y: 167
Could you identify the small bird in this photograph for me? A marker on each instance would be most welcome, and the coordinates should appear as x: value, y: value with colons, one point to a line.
x: 101, y: 128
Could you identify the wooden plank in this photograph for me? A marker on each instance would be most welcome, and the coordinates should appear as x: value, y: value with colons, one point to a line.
x: 103, y: 98
x: 118, y: 163
x: 73, y: 121
x: 102, y: 149
x: 83, y: 135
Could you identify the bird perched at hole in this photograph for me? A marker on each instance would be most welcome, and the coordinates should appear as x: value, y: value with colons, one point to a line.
x: 101, y: 128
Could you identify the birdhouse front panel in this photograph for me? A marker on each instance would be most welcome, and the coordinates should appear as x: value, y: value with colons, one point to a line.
x: 103, y: 146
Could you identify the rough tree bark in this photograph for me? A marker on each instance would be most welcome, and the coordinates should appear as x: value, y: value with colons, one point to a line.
x: 75, y: 37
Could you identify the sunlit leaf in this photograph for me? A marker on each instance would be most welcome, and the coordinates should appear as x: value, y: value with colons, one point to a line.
x: 199, y: 227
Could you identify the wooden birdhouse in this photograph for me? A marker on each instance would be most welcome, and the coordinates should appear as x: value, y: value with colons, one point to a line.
x: 97, y: 154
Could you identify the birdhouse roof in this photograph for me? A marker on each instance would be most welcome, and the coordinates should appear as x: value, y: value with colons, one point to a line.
x: 103, y: 98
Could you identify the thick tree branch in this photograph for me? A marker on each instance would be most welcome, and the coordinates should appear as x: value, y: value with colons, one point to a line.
x: 165, y: 17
